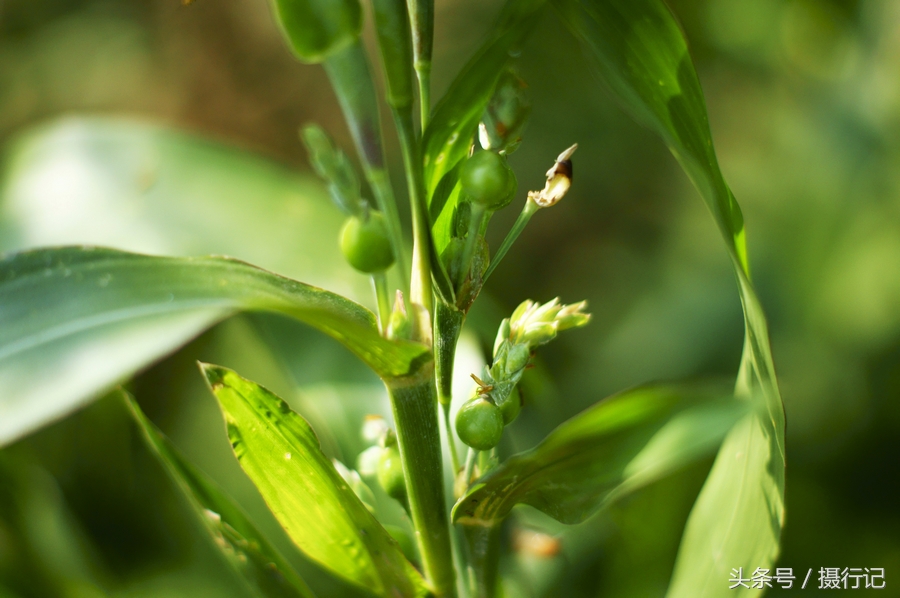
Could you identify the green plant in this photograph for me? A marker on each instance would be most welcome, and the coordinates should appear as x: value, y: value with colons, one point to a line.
x: 479, y: 424
x: 62, y: 302
x: 366, y: 244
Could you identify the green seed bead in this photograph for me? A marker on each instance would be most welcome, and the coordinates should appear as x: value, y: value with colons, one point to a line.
x: 512, y: 186
x: 390, y: 473
x: 486, y: 178
x: 366, y: 244
x: 479, y: 424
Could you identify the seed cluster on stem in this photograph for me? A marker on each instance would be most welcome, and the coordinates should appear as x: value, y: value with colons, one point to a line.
x: 410, y: 460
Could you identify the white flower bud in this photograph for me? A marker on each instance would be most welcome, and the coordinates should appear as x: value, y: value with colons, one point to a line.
x: 374, y: 428
x: 573, y: 316
x: 367, y: 461
x: 538, y: 333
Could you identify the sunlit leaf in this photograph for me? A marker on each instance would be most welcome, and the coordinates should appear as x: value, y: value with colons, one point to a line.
x: 613, y: 448
x: 231, y: 530
x: 281, y: 455
x: 643, y: 59
x: 75, y: 320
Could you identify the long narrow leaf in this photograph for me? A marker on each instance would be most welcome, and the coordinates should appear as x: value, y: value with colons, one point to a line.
x: 642, y: 57
x: 456, y: 116
x: 259, y: 563
x: 281, y: 455
x: 75, y: 320
x: 613, y: 448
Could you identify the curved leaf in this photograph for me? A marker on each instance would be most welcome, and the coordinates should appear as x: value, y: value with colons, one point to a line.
x: 643, y: 59
x: 231, y: 530
x: 281, y: 454
x: 613, y: 448
x: 75, y: 320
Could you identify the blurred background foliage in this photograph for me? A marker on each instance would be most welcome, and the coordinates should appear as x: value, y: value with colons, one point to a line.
x: 804, y: 102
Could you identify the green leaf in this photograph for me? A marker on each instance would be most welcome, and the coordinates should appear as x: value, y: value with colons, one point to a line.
x: 75, y: 320
x: 598, y: 456
x: 456, y: 116
x: 281, y: 455
x: 643, y: 59
x: 230, y: 529
x: 139, y: 187
x: 316, y: 28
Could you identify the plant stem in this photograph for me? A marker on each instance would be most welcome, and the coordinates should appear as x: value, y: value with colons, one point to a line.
x: 448, y: 322
x: 414, y: 403
x: 483, y: 557
x: 380, y: 183
x: 421, y: 19
x: 451, y: 442
x: 476, y: 218
x: 527, y: 212
x: 420, y: 289
x: 424, y: 77
x: 470, y: 465
x: 379, y: 279
x: 351, y: 79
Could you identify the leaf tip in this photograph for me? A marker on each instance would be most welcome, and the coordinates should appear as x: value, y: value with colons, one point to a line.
x: 215, y: 375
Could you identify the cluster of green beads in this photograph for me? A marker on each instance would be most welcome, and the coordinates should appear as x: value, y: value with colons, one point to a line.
x: 480, y: 421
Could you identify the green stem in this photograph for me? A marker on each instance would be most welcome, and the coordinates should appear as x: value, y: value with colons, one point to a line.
x: 421, y: 20
x: 470, y: 465
x: 380, y: 183
x: 527, y: 212
x: 379, y: 279
x: 448, y: 322
x: 414, y: 403
x: 351, y: 79
x: 395, y: 45
x: 451, y: 441
x: 483, y: 558
x: 424, y: 77
x: 420, y: 289
x: 476, y: 218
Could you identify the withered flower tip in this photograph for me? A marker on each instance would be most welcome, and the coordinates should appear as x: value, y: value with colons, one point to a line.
x: 559, y: 179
